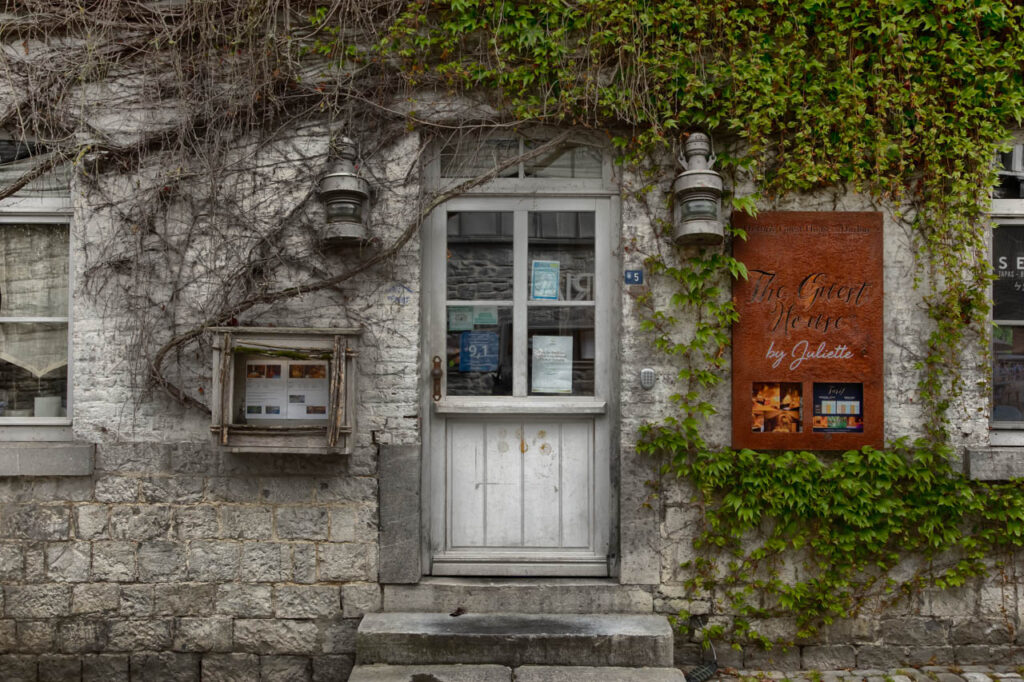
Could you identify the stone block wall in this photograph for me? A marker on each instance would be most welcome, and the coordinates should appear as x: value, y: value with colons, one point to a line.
x: 173, y: 560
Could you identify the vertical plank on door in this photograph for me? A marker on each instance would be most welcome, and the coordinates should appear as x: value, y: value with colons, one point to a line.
x: 542, y: 492
x: 577, y: 446
x: 503, y: 501
x: 466, y: 488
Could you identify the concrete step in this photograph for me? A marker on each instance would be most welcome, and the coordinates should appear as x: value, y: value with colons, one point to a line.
x: 500, y: 673
x: 515, y: 639
x: 521, y: 595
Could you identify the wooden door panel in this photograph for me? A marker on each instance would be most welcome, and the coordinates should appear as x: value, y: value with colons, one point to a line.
x: 503, y: 491
x: 577, y: 483
x: 466, y: 471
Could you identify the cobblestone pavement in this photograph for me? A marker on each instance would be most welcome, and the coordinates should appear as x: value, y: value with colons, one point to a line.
x: 967, y: 673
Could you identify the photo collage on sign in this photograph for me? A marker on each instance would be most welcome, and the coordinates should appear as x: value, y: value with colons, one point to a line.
x: 777, y: 407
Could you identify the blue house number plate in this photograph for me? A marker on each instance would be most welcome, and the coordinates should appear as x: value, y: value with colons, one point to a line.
x: 634, y: 276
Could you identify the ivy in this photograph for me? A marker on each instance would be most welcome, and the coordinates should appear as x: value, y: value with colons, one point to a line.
x: 900, y: 100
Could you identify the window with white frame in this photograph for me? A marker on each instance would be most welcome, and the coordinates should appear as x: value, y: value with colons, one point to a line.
x: 34, y: 314
x: 1008, y: 293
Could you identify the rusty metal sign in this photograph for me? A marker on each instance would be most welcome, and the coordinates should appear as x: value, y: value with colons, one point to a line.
x: 808, y: 347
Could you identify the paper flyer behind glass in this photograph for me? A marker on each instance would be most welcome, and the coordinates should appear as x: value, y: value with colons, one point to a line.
x: 552, y: 364
x: 286, y: 390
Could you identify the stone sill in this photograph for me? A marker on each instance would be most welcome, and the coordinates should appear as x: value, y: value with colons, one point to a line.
x: 995, y: 463
x: 68, y: 458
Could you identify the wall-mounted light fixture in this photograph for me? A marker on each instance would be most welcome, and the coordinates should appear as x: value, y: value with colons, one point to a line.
x: 346, y: 198
x: 697, y: 196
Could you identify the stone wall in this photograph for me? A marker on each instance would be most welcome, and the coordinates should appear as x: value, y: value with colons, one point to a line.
x: 173, y: 558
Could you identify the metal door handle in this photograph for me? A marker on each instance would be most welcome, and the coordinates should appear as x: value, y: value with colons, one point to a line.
x: 436, y: 373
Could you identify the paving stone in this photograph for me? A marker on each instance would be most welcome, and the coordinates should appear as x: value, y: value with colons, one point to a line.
x: 529, y: 673
x: 440, y: 673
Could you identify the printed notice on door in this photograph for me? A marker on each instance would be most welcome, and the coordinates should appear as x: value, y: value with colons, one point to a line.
x: 286, y: 390
x: 552, y: 364
x: 809, y: 333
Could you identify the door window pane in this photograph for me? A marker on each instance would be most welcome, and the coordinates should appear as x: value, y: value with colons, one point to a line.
x: 561, y: 350
x: 479, y: 256
x: 479, y: 350
x: 561, y: 255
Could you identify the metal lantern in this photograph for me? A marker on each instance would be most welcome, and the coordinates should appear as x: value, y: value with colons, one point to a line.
x: 697, y: 192
x: 346, y: 198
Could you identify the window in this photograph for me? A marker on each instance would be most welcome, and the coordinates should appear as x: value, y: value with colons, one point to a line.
x: 34, y: 321
x: 1003, y: 458
x: 284, y: 390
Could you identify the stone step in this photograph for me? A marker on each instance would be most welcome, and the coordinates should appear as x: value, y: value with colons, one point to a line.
x: 521, y: 595
x: 500, y: 673
x: 515, y: 639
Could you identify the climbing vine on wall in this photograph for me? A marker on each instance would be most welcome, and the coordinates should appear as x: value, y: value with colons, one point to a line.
x: 902, y: 100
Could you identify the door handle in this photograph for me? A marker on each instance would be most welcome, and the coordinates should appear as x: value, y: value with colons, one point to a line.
x: 436, y: 373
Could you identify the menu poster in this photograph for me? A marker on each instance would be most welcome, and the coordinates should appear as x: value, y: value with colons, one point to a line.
x: 552, y: 364
x: 286, y: 389
x: 544, y: 278
x: 478, y: 352
x: 838, y: 408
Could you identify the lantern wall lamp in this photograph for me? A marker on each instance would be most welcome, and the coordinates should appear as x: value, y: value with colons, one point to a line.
x: 346, y: 198
x: 697, y: 196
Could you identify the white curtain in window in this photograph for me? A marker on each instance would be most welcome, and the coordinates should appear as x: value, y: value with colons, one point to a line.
x: 34, y: 285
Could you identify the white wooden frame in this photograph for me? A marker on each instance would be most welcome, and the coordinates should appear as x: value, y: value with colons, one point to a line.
x: 52, y: 211
x: 601, y: 407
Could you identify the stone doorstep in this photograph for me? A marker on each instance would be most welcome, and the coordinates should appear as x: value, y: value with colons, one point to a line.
x: 499, y: 673
x: 515, y: 639
x: 521, y: 595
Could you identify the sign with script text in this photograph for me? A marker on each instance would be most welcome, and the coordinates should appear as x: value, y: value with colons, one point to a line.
x: 808, y: 346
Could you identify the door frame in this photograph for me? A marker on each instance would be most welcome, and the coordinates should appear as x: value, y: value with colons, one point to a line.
x: 602, y: 407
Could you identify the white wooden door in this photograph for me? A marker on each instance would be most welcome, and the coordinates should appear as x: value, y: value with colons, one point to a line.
x: 518, y: 459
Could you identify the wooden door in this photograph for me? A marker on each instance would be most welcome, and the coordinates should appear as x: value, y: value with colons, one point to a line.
x: 518, y: 445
